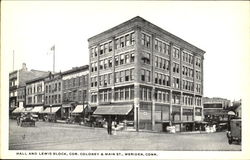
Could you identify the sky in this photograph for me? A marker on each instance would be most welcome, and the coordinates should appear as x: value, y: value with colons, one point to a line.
x: 31, y: 28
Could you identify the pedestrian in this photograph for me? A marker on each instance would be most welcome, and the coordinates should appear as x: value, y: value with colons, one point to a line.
x: 109, y: 125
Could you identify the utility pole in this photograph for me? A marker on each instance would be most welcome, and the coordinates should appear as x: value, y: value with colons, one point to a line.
x: 54, y: 49
x: 13, y: 58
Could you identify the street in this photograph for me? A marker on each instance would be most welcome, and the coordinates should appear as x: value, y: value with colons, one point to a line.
x: 58, y: 136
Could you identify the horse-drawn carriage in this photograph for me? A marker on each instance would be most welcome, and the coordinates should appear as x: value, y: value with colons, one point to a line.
x: 26, y: 120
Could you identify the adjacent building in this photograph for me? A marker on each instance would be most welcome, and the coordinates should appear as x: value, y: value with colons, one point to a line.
x: 141, y: 73
x: 35, y: 94
x: 53, y: 94
x: 17, y: 82
x: 215, y: 109
x: 74, y: 90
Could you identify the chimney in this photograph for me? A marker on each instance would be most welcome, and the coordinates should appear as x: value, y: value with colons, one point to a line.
x: 24, y: 68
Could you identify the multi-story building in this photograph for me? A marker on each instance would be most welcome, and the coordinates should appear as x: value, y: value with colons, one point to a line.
x: 143, y: 73
x: 75, y: 90
x: 53, y: 94
x: 35, y: 94
x: 17, y: 82
x: 215, y: 109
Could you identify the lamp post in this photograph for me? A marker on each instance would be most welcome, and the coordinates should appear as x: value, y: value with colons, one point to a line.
x: 50, y: 112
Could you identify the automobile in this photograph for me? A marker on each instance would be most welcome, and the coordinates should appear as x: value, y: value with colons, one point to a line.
x: 26, y: 120
x: 234, y: 134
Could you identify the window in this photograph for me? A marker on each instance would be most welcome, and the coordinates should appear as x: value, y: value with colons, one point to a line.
x: 116, y: 94
x: 156, y: 62
x: 116, y: 61
x: 117, y: 41
x: 106, y: 48
x: 122, y: 59
x: 147, y: 76
x: 105, y: 64
x: 101, y: 65
x: 156, y: 44
x: 143, y: 39
x: 110, y: 63
x: 122, y: 94
x: 159, y: 78
x: 122, y: 42
x: 164, y: 80
x: 176, y: 53
x: 156, y: 78
x: 159, y: 46
x: 143, y: 75
x: 126, y: 93
x: 101, y: 49
x: 122, y: 76
x: 145, y: 58
x: 132, y: 93
x: 95, y: 66
x: 105, y: 82
x: 147, y: 41
x: 145, y: 93
x: 127, y: 39
x: 132, y: 74
x: 127, y: 75
x: 117, y: 77
x: 110, y: 46
x: 132, y: 57
x: 132, y: 38
x: 127, y: 58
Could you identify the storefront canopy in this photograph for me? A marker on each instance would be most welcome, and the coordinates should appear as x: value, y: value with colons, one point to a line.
x: 113, y: 110
x: 51, y: 110
x: 18, y: 110
x: 79, y: 109
x: 66, y: 105
x: 37, y: 109
x: 27, y: 110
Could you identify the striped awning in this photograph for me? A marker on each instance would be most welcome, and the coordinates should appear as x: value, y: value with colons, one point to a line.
x: 51, y: 110
x: 17, y: 110
x: 79, y: 109
x: 37, y: 109
x: 27, y: 110
x: 113, y: 110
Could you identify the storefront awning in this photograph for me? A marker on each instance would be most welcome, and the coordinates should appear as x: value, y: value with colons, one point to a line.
x: 37, y: 109
x: 113, y: 110
x: 66, y: 105
x: 51, y: 110
x: 18, y: 110
x: 79, y: 109
x: 27, y: 110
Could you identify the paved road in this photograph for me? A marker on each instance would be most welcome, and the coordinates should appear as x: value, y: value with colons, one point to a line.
x: 55, y: 136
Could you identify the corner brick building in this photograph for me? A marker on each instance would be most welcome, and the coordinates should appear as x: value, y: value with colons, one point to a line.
x: 143, y: 73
